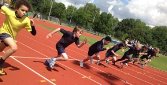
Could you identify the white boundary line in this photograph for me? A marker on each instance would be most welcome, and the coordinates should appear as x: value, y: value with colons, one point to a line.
x: 63, y: 65
x: 35, y: 58
x: 33, y: 71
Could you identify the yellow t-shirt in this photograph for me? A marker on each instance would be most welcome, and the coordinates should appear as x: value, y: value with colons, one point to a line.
x: 12, y: 25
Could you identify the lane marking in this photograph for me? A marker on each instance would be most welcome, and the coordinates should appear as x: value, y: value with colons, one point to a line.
x: 33, y: 71
x: 36, y: 58
x: 53, y: 79
x: 42, y: 81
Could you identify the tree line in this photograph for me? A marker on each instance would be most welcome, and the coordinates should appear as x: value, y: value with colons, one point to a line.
x: 91, y: 18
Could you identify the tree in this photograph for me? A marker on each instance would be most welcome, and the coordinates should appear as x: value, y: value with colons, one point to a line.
x: 86, y: 15
x: 105, y: 23
x: 160, y: 37
x: 130, y: 27
x: 70, y: 12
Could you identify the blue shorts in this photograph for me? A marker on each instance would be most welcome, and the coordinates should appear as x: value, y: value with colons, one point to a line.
x: 4, y: 36
x: 60, y: 49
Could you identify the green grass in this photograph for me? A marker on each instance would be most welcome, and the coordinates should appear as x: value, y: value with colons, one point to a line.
x: 90, y: 40
x: 158, y: 62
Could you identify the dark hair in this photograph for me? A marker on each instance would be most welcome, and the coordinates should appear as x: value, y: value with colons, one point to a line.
x: 107, y: 38
x: 77, y: 28
x: 19, y: 3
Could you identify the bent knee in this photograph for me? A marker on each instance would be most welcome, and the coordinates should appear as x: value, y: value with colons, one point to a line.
x: 65, y: 56
x: 14, y: 48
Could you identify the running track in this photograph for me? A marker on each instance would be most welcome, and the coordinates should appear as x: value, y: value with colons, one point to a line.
x: 26, y: 66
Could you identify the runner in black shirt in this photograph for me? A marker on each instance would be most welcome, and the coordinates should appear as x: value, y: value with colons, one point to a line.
x: 95, y: 49
x: 67, y: 39
x: 149, y: 55
x: 112, y: 53
x: 133, y: 50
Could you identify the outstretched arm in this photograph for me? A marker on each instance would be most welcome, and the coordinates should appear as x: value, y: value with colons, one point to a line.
x: 117, y: 55
x: 53, y: 32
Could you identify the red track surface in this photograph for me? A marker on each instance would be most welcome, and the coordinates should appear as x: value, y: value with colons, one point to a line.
x: 26, y: 66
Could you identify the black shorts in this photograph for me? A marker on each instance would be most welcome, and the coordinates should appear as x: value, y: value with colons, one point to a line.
x: 60, y: 49
x: 4, y: 36
x: 91, y: 52
x: 144, y: 57
x: 109, y: 54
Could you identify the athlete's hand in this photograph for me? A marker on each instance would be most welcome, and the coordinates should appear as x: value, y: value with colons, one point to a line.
x: 49, y: 35
x: 85, y: 41
x: 32, y: 22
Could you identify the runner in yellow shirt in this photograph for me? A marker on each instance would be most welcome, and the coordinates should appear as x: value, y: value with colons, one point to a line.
x: 14, y: 22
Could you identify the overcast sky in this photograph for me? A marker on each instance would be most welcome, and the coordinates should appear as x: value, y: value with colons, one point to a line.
x: 152, y: 12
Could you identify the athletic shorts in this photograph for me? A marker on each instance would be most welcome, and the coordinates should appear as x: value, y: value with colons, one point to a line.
x: 60, y: 49
x: 4, y: 36
x: 91, y: 52
x: 109, y: 54
x: 144, y: 57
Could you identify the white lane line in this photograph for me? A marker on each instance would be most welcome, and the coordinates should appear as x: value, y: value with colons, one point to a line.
x: 35, y: 58
x: 33, y: 71
x: 60, y: 63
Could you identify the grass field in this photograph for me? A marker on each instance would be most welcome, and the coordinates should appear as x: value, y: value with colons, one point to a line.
x: 158, y: 62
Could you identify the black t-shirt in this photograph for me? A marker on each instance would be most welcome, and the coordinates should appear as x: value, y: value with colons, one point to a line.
x: 97, y: 47
x: 151, y: 53
x: 67, y: 39
x: 116, y: 47
x: 132, y: 50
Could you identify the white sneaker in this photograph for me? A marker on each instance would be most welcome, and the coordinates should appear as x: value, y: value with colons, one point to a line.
x: 81, y: 64
x: 98, y: 62
x: 51, y: 62
x: 91, y: 60
x: 126, y: 64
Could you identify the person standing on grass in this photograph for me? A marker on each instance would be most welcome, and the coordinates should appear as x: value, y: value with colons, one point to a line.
x: 95, y: 49
x: 14, y: 22
x: 67, y: 39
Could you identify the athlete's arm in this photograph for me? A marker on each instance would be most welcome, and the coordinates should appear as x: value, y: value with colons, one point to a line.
x: 33, y: 32
x: 53, y: 32
x: 115, y: 53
